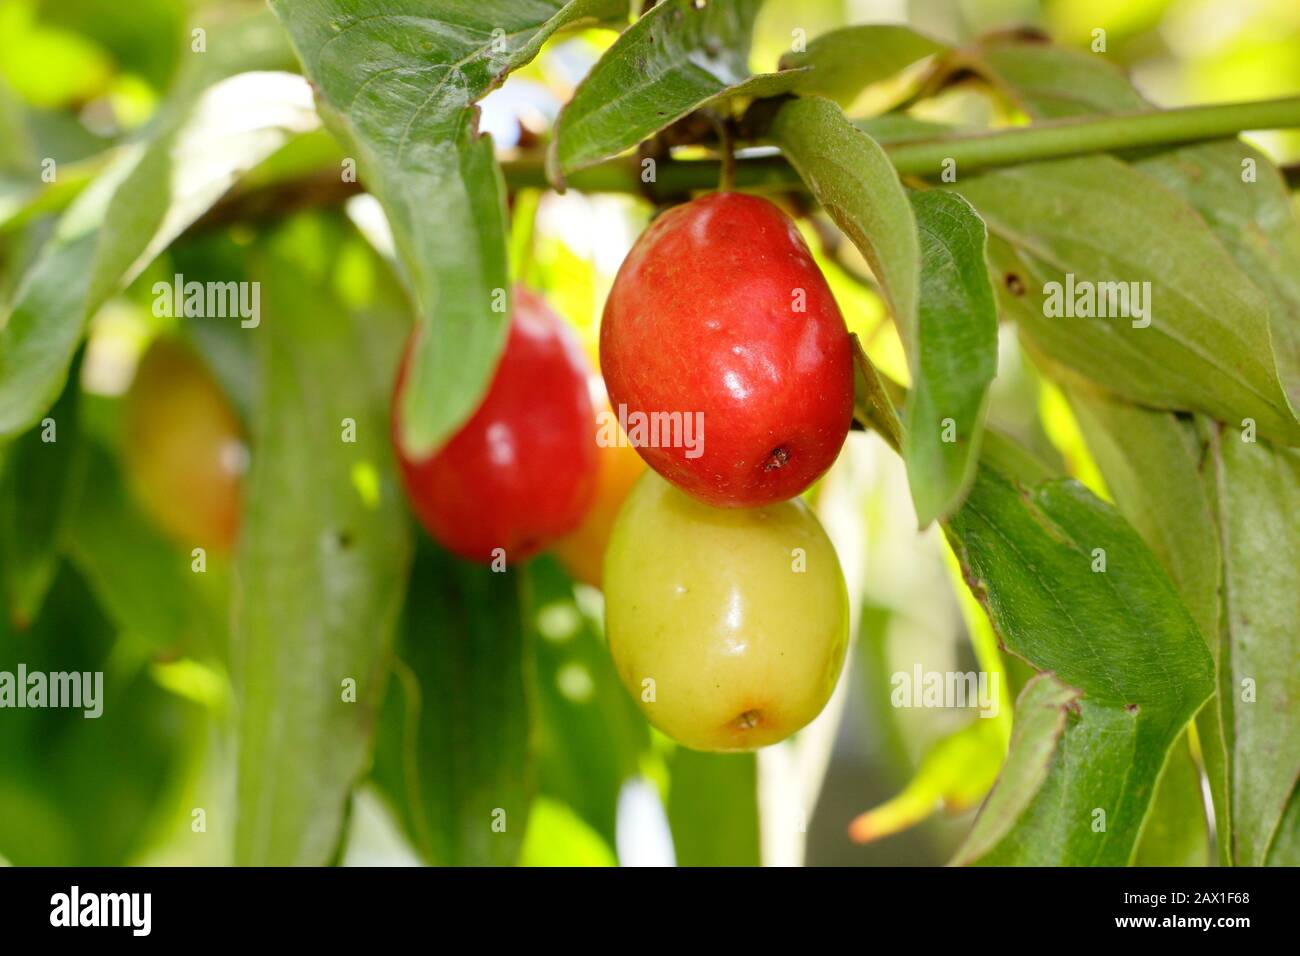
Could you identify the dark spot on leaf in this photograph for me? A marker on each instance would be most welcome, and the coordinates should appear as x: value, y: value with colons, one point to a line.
x: 1131, y: 708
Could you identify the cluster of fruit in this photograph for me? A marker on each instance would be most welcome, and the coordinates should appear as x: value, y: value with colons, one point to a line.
x: 726, y: 611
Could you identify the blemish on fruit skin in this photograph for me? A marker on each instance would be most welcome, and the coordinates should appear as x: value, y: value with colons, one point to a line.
x: 779, y: 456
x: 748, y: 720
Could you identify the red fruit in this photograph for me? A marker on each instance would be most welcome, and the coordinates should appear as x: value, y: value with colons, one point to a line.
x: 522, y: 471
x: 719, y: 309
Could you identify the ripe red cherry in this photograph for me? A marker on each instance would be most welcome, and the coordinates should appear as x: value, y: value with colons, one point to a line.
x: 522, y: 471
x: 720, y: 313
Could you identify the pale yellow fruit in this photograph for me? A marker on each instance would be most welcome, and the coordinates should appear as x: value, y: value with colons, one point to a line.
x: 728, y: 626
x: 182, y: 449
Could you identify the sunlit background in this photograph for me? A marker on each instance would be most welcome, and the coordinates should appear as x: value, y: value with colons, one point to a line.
x: 77, y: 76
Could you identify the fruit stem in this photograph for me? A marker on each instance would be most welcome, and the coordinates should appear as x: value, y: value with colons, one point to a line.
x: 727, y: 179
x: 977, y: 150
x: 726, y: 149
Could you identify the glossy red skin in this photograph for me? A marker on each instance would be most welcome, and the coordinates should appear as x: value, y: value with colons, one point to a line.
x: 522, y: 471
x: 701, y: 318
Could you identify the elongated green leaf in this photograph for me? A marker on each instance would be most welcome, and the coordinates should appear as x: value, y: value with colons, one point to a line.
x: 1259, y: 498
x: 1285, y: 850
x: 141, y: 580
x: 1120, y: 636
x: 713, y: 808
x: 396, y: 83
x: 852, y: 178
x: 1158, y: 469
x: 929, y: 257
x: 42, y: 475
x: 901, y: 128
x: 1033, y: 547
x: 1176, y: 831
x: 454, y: 754
x: 81, y: 790
x: 1155, y: 466
x: 1244, y: 201
x: 321, y: 563
x: 1201, y: 338
x: 956, y: 355
x: 214, y: 127
x: 955, y: 774
x: 680, y: 56
x: 844, y: 62
x: 1235, y: 188
x: 1052, y: 82
x: 872, y: 404
x: 559, y: 837
x: 1039, y: 723
x: 590, y: 735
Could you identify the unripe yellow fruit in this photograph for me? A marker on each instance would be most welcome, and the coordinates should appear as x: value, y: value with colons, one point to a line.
x: 182, y: 449
x: 582, y: 551
x: 728, y: 626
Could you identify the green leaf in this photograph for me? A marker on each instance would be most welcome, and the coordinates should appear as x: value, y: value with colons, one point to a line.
x: 1207, y: 346
x: 42, y: 476
x: 82, y: 790
x: 1155, y: 466
x: 321, y: 565
x: 1120, y: 637
x: 1052, y: 82
x: 1176, y: 831
x: 1256, y: 222
x: 559, y: 837
x: 902, y: 128
x: 1031, y: 548
x: 713, y: 808
x: 1285, y: 850
x: 396, y: 84
x: 872, y: 404
x: 680, y: 56
x: 850, y: 175
x: 928, y: 255
x: 1259, y: 498
x: 142, y: 581
x: 454, y: 752
x: 956, y: 355
x: 845, y: 62
x: 955, y: 773
x: 1252, y: 215
x: 206, y: 135
x: 590, y: 736
x: 1036, y: 732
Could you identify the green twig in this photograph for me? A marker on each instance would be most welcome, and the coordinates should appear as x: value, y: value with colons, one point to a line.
x: 984, y: 149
